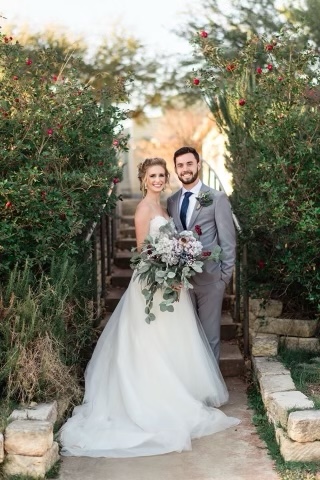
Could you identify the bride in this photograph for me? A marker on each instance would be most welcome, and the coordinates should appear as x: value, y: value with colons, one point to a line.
x: 149, y: 388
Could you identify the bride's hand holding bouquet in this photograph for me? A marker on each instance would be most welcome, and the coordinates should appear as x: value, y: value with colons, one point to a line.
x: 167, y: 262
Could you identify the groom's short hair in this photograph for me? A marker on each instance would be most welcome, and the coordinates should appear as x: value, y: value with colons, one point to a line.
x: 183, y: 151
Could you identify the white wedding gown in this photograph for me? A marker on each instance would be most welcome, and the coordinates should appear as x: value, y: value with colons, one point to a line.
x: 149, y: 388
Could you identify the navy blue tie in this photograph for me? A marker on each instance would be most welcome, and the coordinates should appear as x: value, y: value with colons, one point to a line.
x: 184, y: 209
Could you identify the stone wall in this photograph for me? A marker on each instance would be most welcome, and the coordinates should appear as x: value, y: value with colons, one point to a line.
x: 267, y: 329
x: 296, y: 422
x: 27, y: 446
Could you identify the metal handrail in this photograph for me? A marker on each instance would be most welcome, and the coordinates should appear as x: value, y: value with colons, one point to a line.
x: 213, y: 181
x: 217, y: 183
x: 100, y: 235
x: 94, y: 224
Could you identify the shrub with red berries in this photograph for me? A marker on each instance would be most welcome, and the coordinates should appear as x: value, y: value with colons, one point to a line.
x: 273, y: 155
x: 57, y: 154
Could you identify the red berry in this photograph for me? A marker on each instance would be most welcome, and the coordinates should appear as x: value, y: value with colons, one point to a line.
x: 259, y: 70
x: 242, y: 102
x: 269, y: 67
x: 230, y: 67
x: 6, y: 39
x: 116, y: 180
x: 15, y: 77
x: 8, y: 204
x: 100, y: 163
x: 28, y: 61
x: 49, y: 131
x: 196, y: 81
x: 269, y: 47
x: 115, y: 142
x: 261, y: 264
x: 280, y: 79
x: 203, y: 34
x: 17, y: 100
x: 54, y: 78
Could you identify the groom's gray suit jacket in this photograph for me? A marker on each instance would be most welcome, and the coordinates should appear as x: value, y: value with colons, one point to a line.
x: 217, y: 228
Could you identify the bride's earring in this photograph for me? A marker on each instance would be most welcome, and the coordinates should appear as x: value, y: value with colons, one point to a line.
x: 144, y: 189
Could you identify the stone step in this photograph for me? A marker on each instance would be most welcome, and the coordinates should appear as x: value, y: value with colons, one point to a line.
x: 229, y: 329
x: 126, y: 243
x: 113, y: 298
x: 231, y: 361
x: 127, y: 232
x: 121, y: 277
x: 129, y: 205
x: 122, y: 259
x: 127, y: 220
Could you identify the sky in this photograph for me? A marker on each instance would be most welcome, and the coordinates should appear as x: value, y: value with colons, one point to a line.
x: 149, y: 20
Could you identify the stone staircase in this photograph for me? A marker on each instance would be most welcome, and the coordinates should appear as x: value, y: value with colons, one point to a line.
x: 231, y: 361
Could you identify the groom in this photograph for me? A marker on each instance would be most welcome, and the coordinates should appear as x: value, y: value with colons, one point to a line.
x: 196, y: 204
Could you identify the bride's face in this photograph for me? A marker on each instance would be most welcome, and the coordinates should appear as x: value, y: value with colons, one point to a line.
x: 155, y: 180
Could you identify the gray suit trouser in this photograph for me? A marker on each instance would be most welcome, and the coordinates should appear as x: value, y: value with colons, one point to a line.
x: 207, y: 301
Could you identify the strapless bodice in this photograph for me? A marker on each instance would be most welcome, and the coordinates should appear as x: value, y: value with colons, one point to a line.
x: 155, y: 225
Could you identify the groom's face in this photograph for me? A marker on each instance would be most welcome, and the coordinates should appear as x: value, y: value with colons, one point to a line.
x: 187, y: 168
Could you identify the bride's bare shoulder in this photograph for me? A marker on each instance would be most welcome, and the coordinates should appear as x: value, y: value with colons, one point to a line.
x: 143, y: 211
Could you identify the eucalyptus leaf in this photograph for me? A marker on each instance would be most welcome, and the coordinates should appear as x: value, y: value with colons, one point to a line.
x: 163, y: 307
x: 171, y: 275
x: 160, y: 273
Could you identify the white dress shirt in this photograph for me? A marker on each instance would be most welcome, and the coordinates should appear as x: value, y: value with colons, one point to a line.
x: 192, y: 200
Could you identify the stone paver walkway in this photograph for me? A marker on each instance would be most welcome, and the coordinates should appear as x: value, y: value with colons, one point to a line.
x: 235, y: 454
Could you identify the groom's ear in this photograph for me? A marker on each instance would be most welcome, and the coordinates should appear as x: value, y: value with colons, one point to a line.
x: 199, y: 165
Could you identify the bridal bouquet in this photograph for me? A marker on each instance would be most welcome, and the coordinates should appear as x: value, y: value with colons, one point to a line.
x: 168, y: 260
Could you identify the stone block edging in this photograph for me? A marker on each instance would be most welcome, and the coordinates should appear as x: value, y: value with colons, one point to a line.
x: 267, y: 328
x: 27, y: 446
x: 296, y: 422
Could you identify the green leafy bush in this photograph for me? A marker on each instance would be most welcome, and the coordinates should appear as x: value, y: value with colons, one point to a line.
x: 266, y: 101
x: 60, y: 140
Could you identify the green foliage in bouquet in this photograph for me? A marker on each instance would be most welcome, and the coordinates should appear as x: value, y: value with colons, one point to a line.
x: 166, y: 262
x: 60, y: 143
x: 266, y: 100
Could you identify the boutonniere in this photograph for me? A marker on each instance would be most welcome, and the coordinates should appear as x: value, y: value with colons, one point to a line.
x: 204, y: 199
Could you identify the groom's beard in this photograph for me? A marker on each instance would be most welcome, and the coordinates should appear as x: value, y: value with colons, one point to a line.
x: 190, y: 180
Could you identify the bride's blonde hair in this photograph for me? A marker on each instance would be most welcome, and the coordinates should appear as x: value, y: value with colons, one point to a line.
x: 143, y: 167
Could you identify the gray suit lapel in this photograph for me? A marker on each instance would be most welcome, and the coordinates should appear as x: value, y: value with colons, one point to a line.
x: 197, y: 208
x: 177, y: 211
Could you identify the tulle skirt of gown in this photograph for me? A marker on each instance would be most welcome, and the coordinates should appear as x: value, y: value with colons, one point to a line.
x: 149, y: 388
